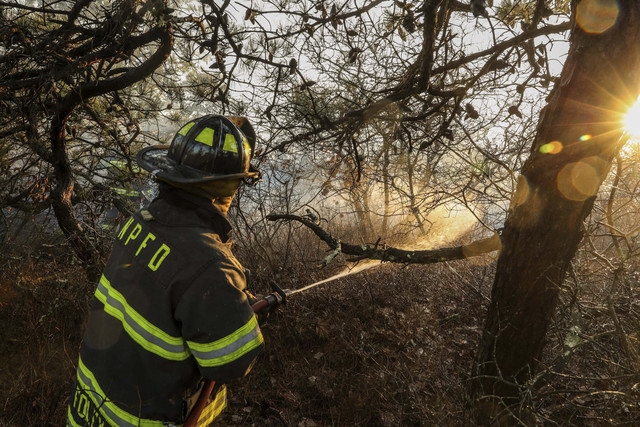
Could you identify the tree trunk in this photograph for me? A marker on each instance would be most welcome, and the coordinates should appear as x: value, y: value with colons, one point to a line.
x: 61, y: 202
x: 359, y: 200
x: 413, y: 206
x: 62, y: 190
x: 578, y: 135
x: 386, y: 147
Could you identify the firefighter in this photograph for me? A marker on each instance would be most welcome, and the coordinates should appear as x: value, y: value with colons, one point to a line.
x: 170, y: 309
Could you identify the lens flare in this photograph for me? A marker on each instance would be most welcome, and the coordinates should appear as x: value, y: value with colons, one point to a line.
x: 585, y: 137
x: 597, y: 16
x: 553, y: 147
x: 578, y: 181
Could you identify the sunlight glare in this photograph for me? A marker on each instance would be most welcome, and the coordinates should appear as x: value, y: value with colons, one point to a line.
x: 632, y: 120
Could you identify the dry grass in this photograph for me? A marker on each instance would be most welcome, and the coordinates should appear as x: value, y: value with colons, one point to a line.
x: 42, y: 306
x: 386, y: 347
x: 390, y: 346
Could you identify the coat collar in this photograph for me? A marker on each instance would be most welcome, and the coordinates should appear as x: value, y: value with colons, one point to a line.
x: 179, y: 208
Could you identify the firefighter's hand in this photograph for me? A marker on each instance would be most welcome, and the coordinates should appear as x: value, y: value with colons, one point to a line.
x: 250, y: 297
x: 263, y: 315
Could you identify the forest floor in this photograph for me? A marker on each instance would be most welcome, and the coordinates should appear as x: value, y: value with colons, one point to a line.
x: 391, y: 346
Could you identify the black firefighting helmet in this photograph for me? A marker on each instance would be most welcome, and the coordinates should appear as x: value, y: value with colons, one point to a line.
x: 210, y: 148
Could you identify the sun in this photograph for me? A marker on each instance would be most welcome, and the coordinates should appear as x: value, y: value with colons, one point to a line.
x: 632, y: 120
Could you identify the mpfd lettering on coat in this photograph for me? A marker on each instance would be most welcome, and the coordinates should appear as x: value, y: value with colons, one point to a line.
x: 86, y: 410
x: 129, y: 236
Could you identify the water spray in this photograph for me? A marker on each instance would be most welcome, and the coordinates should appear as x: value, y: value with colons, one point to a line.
x: 279, y: 296
x: 349, y: 272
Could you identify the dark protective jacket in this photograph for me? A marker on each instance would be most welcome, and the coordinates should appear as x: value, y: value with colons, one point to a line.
x: 169, y: 310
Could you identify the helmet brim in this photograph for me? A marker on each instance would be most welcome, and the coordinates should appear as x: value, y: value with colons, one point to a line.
x: 155, y: 160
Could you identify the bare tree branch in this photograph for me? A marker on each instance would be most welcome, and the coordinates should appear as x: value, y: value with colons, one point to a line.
x: 479, y: 247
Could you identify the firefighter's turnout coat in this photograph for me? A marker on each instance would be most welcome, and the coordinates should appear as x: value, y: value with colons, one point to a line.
x: 169, y: 311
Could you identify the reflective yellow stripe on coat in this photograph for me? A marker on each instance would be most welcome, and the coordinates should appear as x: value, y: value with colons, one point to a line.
x: 229, y: 348
x: 142, y: 331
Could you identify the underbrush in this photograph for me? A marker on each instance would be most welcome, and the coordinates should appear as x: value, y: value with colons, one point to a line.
x: 590, y: 371
x: 43, y: 302
x: 389, y: 346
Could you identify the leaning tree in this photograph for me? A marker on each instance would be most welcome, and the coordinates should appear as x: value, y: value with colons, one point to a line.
x: 579, y: 134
